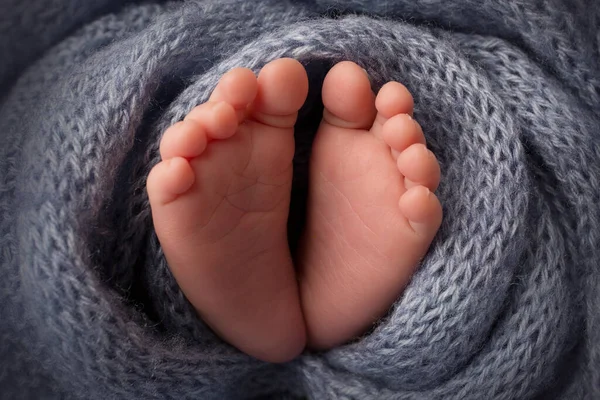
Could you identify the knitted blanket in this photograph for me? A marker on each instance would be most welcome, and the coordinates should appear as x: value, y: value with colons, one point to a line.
x: 506, y: 304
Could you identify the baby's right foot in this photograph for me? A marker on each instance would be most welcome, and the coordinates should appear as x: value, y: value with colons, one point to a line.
x: 371, y: 210
x: 220, y: 201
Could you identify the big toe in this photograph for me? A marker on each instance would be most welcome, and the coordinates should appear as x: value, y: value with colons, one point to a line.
x: 347, y: 96
x: 282, y: 90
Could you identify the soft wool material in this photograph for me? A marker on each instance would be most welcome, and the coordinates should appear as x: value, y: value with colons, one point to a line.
x: 506, y: 304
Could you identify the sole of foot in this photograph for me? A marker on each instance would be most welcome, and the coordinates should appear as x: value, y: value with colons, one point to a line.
x: 220, y: 201
x: 372, y: 213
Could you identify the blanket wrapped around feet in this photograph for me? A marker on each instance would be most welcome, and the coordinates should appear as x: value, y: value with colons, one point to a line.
x: 506, y: 304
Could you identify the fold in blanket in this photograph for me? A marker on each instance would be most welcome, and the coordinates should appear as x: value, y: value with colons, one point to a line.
x: 506, y: 303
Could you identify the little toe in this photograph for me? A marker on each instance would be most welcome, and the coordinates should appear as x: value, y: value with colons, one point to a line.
x: 419, y: 167
x: 347, y: 96
x: 423, y: 211
x: 401, y: 131
x: 282, y: 90
x: 168, y: 180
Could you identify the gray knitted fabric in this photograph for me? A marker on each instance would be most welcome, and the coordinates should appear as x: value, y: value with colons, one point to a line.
x: 506, y: 304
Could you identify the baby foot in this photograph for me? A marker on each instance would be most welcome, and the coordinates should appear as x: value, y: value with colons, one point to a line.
x: 371, y: 211
x: 220, y: 201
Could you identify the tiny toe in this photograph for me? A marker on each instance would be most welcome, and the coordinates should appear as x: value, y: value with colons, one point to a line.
x: 419, y: 167
x: 219, y: 120
x: 282, y: 90
x: 184, y: 139
x: 347, y: 96
x: 168, y: 180
x: 237, y: 87
x: 394, y: 98
x: 423, y: 210
x: 401, y: 131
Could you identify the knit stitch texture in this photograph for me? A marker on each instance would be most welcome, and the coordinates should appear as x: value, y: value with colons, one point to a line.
x: 506, y: 304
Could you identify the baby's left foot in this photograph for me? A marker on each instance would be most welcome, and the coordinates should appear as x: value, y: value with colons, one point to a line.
x: 371, y: 211
x: 220, y: 200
